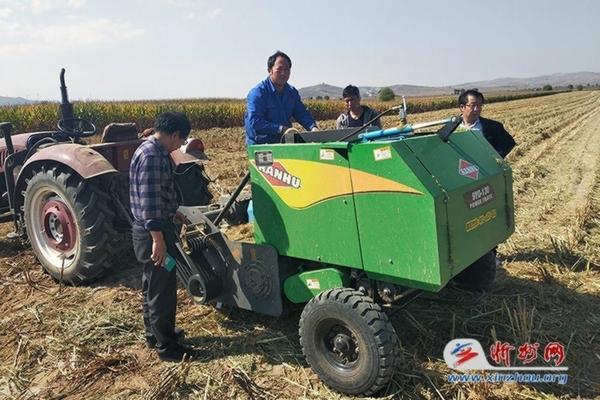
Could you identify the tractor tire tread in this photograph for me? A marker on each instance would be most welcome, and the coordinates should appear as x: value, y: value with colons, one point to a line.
x: 94, y: 217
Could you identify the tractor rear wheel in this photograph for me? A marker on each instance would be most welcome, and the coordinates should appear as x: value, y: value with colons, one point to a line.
x: 69, y: 224
x: 349, y: 341
x: 480, y: 275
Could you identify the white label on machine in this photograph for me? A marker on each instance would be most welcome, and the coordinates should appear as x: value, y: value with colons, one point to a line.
x: 313, y: 284
x: 382, y: 153
x: 327, y: 154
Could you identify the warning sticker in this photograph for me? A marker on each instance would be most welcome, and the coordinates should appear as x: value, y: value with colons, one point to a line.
x: 263, y: 158
x: 382, y: 153
x: 312, y: 283
x: 327, y: 154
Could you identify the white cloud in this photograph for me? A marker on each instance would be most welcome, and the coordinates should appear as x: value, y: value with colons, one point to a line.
x: 215, y: 13
x: 40, y: 6
x: 5, y: 12
x: 9, y: 29
x: 196, y: 9
x: 28, y: 39
x: 76, y: 3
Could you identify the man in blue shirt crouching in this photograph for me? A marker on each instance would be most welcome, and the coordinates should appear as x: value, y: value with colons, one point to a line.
x: 273, y: 102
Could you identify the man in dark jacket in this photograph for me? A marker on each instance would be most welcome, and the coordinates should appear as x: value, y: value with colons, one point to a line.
x: 470, y: 103
x: 356, y: 114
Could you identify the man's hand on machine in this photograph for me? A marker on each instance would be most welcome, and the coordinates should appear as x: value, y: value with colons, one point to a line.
x: 181, y: 219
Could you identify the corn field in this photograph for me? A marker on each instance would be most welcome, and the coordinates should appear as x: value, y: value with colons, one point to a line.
x: 205, y: 113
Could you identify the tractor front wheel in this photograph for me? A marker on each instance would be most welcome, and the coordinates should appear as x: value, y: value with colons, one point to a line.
x: 69, y: 224
x: 349, y: 341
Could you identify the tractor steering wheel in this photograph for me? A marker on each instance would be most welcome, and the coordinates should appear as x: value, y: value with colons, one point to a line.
x: 76, y: 127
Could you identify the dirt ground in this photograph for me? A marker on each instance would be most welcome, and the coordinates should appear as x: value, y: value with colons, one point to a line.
x: 60, y: 342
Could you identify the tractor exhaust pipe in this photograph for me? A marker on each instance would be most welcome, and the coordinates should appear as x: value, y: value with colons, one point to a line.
x: 66, y: 108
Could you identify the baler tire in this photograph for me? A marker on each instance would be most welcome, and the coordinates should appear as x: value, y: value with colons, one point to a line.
x: 480, y: 275
x: 86, y: 203
x: 373, y: 349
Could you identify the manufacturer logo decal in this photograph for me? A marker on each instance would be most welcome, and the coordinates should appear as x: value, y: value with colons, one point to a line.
x: 277, y: 175
x: 467, y: 169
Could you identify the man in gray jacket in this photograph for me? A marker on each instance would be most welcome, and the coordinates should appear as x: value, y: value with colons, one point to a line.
x: 356, y: 114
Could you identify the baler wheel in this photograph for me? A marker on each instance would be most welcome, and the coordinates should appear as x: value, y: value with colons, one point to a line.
x: 349, y: 341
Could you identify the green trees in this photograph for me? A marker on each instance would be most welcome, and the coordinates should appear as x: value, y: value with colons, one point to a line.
x: 386, y: 94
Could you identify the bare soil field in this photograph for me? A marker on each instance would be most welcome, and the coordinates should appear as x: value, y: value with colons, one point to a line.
x: 60, y: 342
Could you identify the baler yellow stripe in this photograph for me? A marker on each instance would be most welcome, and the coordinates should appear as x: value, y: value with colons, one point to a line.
x: 321, y: 181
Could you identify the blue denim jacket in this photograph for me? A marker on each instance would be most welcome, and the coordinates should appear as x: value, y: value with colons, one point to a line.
x: 268, y: 111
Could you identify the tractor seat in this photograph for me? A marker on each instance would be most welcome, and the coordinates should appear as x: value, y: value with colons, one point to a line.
x: 119, y: 132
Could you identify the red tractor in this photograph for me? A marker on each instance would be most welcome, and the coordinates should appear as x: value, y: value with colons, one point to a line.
x: 71, y: 198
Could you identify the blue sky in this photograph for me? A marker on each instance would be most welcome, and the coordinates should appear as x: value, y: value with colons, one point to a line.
x: 134, y: 49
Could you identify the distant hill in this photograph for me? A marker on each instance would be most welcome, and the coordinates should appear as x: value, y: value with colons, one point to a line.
x: 335, y: 92
x: 322, y: 90
x: 558, y: 80
x: 9, y: 101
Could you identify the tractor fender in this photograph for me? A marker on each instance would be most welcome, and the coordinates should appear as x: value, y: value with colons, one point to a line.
x: 302, y: 287
x: 85, y: 161
x: 181, y: 158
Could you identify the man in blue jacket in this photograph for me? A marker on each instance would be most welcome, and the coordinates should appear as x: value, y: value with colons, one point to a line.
x: 273, y: 102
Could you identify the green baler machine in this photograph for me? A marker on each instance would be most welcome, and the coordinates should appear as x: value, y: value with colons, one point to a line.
x: 413, y: 211
x: 346, y: 222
